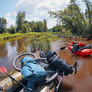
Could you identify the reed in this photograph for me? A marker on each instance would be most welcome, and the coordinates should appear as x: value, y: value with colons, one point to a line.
x: 42, y: 41
x: 6, y: 36
x: 37, y: 40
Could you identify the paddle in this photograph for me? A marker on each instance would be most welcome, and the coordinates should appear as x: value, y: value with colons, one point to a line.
x: 63, y: 47
x: 4, y: 71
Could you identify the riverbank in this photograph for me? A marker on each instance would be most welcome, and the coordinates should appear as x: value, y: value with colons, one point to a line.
x: 32, y: 35
x: 6, y: 36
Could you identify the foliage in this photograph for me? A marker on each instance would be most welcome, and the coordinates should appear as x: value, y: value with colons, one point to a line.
x: 24, y: 29
x: 38, y: 26
x: 40, y: 45
x: 45, y: 29
x: 88, y: 14
x: 2, y: 25
x: 57, y: 28
x: 41, y: 41
x: 74, y: 19
x: 20, y: 20
x: 66, y: 33
x: 12, y: 30
x: 8, y: 36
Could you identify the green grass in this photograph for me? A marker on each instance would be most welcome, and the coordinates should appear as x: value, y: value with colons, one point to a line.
x: 41, y: 41
x: 43, y: 36
x: 40, y: 35
x: 37, y: 40
x: 8, y: 36
x: 32, y: 35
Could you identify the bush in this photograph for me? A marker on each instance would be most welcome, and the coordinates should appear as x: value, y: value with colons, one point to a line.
x: 12, y: 30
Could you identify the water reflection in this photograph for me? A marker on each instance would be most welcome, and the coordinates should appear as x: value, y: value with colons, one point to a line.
x: 8, y: 51
x: 11, y: 49
x: 3, y: 50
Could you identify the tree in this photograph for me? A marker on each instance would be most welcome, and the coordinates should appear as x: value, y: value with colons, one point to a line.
x: 68, y: 18
x: 73, y: 19
x: 88, y: 14
x: 20, y: 20
x: 39, y: 26
x: 3, y: 24
x: 73, y: 2
x: 57, y: 28
x: 12, y: 30
x: 27, y: 24
x: 24, y: 29
x: 45, y: 26
x: 32, y: 25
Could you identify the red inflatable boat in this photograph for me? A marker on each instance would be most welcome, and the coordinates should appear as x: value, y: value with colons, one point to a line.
x: 83, y: 52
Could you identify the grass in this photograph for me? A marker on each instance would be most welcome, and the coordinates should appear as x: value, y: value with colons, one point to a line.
x: 37, y: 40
x: 42, y: 41
x: 41, y: 35
x: 6, y: 36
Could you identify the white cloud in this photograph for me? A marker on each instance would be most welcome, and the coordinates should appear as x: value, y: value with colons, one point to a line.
x: 51, y: 23
x: 38, y: 9
x: 26, y: 5
x: 20, y: 1
x: 10, y: 22
x: 32, y: 19
x: 8, y: 14
x: 14, y: 13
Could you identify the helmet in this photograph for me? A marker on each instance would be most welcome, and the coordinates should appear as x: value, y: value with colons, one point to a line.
x: 51, y: 55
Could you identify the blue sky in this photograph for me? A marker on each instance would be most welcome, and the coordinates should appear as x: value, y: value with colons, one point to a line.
x: 7, y: 6
x: 36, y: 10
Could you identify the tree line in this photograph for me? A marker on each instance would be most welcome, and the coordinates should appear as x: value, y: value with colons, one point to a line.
x: 71, y: 19
x: 22, y: 25
x: 74, y: 19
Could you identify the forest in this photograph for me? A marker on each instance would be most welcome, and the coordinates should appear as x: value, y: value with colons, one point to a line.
x: 72, y: 19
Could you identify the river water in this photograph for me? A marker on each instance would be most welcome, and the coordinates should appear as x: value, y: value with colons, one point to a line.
x: 81, y: 82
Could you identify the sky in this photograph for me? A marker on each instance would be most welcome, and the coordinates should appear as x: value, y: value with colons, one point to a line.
x: 36, y: 10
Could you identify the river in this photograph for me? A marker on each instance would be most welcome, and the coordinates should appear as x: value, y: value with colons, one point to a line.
x: 81, y: 82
